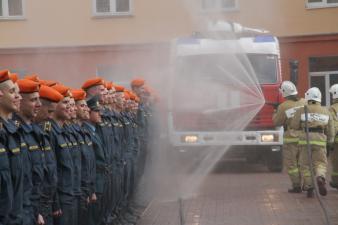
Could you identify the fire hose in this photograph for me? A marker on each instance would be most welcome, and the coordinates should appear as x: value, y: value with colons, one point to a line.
x: 309, y: 154
x: 181, y: 213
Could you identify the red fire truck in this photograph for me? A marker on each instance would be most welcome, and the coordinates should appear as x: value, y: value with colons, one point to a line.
x: 216, y: 122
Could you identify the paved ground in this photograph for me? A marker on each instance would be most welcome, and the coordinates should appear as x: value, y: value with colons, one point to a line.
x: 240, y: 194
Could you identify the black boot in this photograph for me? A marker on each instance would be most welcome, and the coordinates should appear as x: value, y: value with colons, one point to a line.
x: 321, y: 186
x: 295, y: 190
x: 309, y: 193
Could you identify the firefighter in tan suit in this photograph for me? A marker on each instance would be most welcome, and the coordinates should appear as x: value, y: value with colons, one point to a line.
x: 282, y: 117
x: 321, y: 132
x: 334, y: 154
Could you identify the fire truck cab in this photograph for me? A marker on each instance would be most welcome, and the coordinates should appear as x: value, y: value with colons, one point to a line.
x: 259, y: 141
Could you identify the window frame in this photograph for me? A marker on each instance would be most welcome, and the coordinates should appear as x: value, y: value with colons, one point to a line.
x: 112, y: 13
x: 218, y: 8
x: 5, y: 11
x: 318, y: 5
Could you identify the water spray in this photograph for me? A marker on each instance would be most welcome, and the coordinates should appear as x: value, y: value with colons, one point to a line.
x: 309, y: 154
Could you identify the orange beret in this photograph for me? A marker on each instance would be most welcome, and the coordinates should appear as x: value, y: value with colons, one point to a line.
x: 65, y: 91
x: 109, y: 85
x: 14, y: 77
x: 147, y: 89
x: 119, y: 88
x: 132, y: 96
x: 92, y: 82
x: 126, y: 95
x: 33, y: 77
x: 4, y: 75
x: 137, y: 82
x: 79, y: 94
x: 48, y: 83
x: 28, y: 86
x: 50, y: 94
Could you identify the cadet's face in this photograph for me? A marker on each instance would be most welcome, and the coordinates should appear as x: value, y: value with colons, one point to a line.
x: 119, y: 99
x: 105, y: 96
x: 95, y: 116
x: 111, y: 95
x: 127, y: 104
x: 51, y: 110
x: 17, y: 91
x: 62, y: 110
x: 101, y: 92
x: 72, y: 108
x: 138, y: 90
x: 46, y: 111
x: 82, y: 110
x: 134, y: 106
x: 10, y: 100
x: 30, y: 105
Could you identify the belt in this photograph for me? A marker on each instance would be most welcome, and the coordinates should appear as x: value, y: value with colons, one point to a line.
x: 316, y: 130
x: 104, y: 169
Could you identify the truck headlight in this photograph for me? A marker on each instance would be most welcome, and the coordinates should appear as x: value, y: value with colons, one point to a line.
x: 190, y: 138
x: 268, y: 138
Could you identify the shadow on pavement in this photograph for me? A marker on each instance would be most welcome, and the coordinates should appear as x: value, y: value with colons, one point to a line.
x: 238, y: 167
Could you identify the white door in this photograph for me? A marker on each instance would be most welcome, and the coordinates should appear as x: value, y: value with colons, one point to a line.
x: 324, y: 80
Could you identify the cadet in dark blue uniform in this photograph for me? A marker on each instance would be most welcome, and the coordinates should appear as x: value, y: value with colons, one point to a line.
x: 95, y: 87
x: 125, y: 213
x: 109, y: 139
x: 131, y: 109
x: 47, y: 207
x: 10, y: 103
x: 137, y: 86
x: 75, y: 140
x: 97, y: 209
x: 34, y: 163
x: 88, y: 167
x: 65, y: 166
x: 6, y: 187
x: 128, y: 151
x: 116, y: 159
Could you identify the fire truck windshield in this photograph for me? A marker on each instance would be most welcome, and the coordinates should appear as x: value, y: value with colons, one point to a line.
x: 265, y: 67
x: 214, y: 67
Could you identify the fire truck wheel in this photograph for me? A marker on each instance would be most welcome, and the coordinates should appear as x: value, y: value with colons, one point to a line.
x: 275, y: 161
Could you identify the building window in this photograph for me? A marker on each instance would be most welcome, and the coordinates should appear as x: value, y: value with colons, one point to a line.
x: 323, y: 74
x: 219, y: 5
x: 321, y: 3
x: 11, y: 9
x: 112, y: 7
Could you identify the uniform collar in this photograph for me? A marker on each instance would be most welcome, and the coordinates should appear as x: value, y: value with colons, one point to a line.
x: 90, y: 126
x: 9, y: 125
x: 56, y: 127
x: 27, y: 128
x: 76, y: 127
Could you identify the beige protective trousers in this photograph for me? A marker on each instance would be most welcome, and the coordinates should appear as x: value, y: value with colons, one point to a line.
x: 319, y: 161
x: 291, y: 152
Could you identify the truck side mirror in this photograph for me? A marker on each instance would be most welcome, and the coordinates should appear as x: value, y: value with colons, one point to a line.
x: 294, y: 71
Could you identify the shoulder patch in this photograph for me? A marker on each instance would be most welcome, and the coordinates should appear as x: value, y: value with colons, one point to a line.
x: 47, y: 126
x: 316, y: 117
x: 290, y: 113
x: 17, y: 123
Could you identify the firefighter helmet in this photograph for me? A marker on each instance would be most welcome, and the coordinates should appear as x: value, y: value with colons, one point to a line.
x: 287, y: 88
x: 313, y: 94
x: 334, y: 91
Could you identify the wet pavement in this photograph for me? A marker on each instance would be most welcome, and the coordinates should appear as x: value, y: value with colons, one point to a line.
x: 236, y: 193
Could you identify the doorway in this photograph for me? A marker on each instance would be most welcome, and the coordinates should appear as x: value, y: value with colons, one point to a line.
x: 324, y: 80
